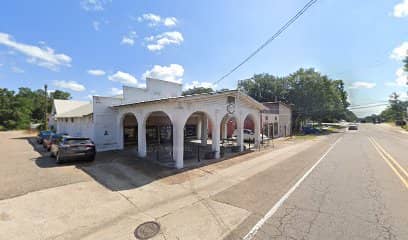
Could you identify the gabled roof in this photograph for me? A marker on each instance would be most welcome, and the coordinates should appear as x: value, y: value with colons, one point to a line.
x: 72, y: 108
x: 81, y: 111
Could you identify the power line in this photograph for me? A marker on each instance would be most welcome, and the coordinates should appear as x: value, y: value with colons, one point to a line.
x: 365, y: 107
x: 369, y: 104
x: 273, y: 37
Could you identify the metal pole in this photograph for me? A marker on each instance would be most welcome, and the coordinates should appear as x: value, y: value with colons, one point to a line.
x: 198, y: 153
x: 45, y: 106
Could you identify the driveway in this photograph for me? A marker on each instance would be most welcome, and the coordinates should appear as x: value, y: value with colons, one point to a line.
x: 23, y: 169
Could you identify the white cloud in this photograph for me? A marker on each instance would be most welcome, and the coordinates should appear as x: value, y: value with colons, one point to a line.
x: 158, y: 42
x: 96, y: 72
x: 403, y: 96
x: 196, y: 84
x: 402, y: 77
x: 400, y: 52
x: 41, y: 56
x: 151, y: 18
x: 155, y: 20
x: 17, y: 69
x: 362, y: 85
x: 95, y: 25
x: 171, y: 73
x: 129, y: 39
x: 116, y: 91
x: 124, y: 78
x: 170, y: 21
x: 401, y: 9
x: 93, y: 5
x: 72, y: 85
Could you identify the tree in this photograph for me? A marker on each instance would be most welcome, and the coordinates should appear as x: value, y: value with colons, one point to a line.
x: 197, y: 90
x: 57, y: 94
x: 265, y: 87
x: 314, y: 96
x: 406, y: 64
x: 17, y: 110
x: 396, y: 109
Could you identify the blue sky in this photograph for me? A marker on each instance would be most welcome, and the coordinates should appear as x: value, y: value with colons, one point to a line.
x: 92, y: 47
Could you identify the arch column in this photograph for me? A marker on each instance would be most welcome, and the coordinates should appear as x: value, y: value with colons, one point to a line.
x: 204, y: 129
x: 216, y: 139
x: 257, y: 131
x: 141, y: 136
x: 119, y: 125
x: 240, y: 134
x: 178, y: 144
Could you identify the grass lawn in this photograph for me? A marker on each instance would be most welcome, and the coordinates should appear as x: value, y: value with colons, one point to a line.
x: 305, y: 137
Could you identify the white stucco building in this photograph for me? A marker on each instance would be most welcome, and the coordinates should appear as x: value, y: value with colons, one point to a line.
x: 159, y: 119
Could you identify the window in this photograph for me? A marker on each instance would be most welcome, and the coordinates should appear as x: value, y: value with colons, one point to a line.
x: 190, y: 131
x: 230, y: 99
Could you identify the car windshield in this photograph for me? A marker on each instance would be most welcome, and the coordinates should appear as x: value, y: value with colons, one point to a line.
x: 75, y: 141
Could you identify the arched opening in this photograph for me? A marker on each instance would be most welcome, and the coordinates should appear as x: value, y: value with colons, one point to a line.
x: 197, y: 137
x: 229, y: 133
x: 249, y: 130
x: 159, y: 138
x: 130, y: 130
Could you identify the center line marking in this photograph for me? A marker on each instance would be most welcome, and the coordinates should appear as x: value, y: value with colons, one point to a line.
x: 384, y: 156
x: 251, y: 234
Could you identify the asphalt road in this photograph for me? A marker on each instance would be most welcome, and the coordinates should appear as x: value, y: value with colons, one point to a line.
x: 359, y: 190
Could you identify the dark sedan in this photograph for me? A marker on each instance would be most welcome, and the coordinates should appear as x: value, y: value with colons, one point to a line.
x: 48, y: 141
x: 71, y: 148
x: 42, y: 135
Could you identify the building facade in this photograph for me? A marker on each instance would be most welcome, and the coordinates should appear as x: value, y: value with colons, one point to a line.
x: 158, y: 117
x: 276, y: 119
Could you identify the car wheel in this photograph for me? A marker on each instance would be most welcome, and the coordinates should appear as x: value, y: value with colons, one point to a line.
x: 58, y: 158
x: 91, y: 158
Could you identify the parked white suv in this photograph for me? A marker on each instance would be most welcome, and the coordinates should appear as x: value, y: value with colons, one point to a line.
x: 249, y: 135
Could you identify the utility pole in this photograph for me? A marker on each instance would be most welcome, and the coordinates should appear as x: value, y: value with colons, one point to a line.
x: 45, y: 107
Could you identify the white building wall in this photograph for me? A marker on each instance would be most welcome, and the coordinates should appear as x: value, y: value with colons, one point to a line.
x: 104, y: 123
x: 76, y: 127
x: 155, y: 89
x: 285, y: 119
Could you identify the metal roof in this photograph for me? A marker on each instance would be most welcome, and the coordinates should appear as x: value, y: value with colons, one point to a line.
x: 71, y: 108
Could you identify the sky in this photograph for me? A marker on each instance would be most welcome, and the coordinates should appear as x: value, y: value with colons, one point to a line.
x: 93, y: 47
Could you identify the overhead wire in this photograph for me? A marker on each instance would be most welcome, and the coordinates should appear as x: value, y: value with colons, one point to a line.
x: 269, y: 40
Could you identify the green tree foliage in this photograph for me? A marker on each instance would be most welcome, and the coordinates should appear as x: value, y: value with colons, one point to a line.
x: 396, y: 109
x: 17, y: 110
x: 197, y: 90
x: 314, y: 96
x: 406, y: 64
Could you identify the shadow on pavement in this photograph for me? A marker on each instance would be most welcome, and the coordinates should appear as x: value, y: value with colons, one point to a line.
x: 118, y: 170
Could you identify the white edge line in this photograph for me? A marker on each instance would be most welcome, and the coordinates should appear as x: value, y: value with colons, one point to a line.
x: 272, y: 211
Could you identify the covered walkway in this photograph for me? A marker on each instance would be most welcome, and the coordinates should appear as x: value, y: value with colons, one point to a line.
x: 172, y: 130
